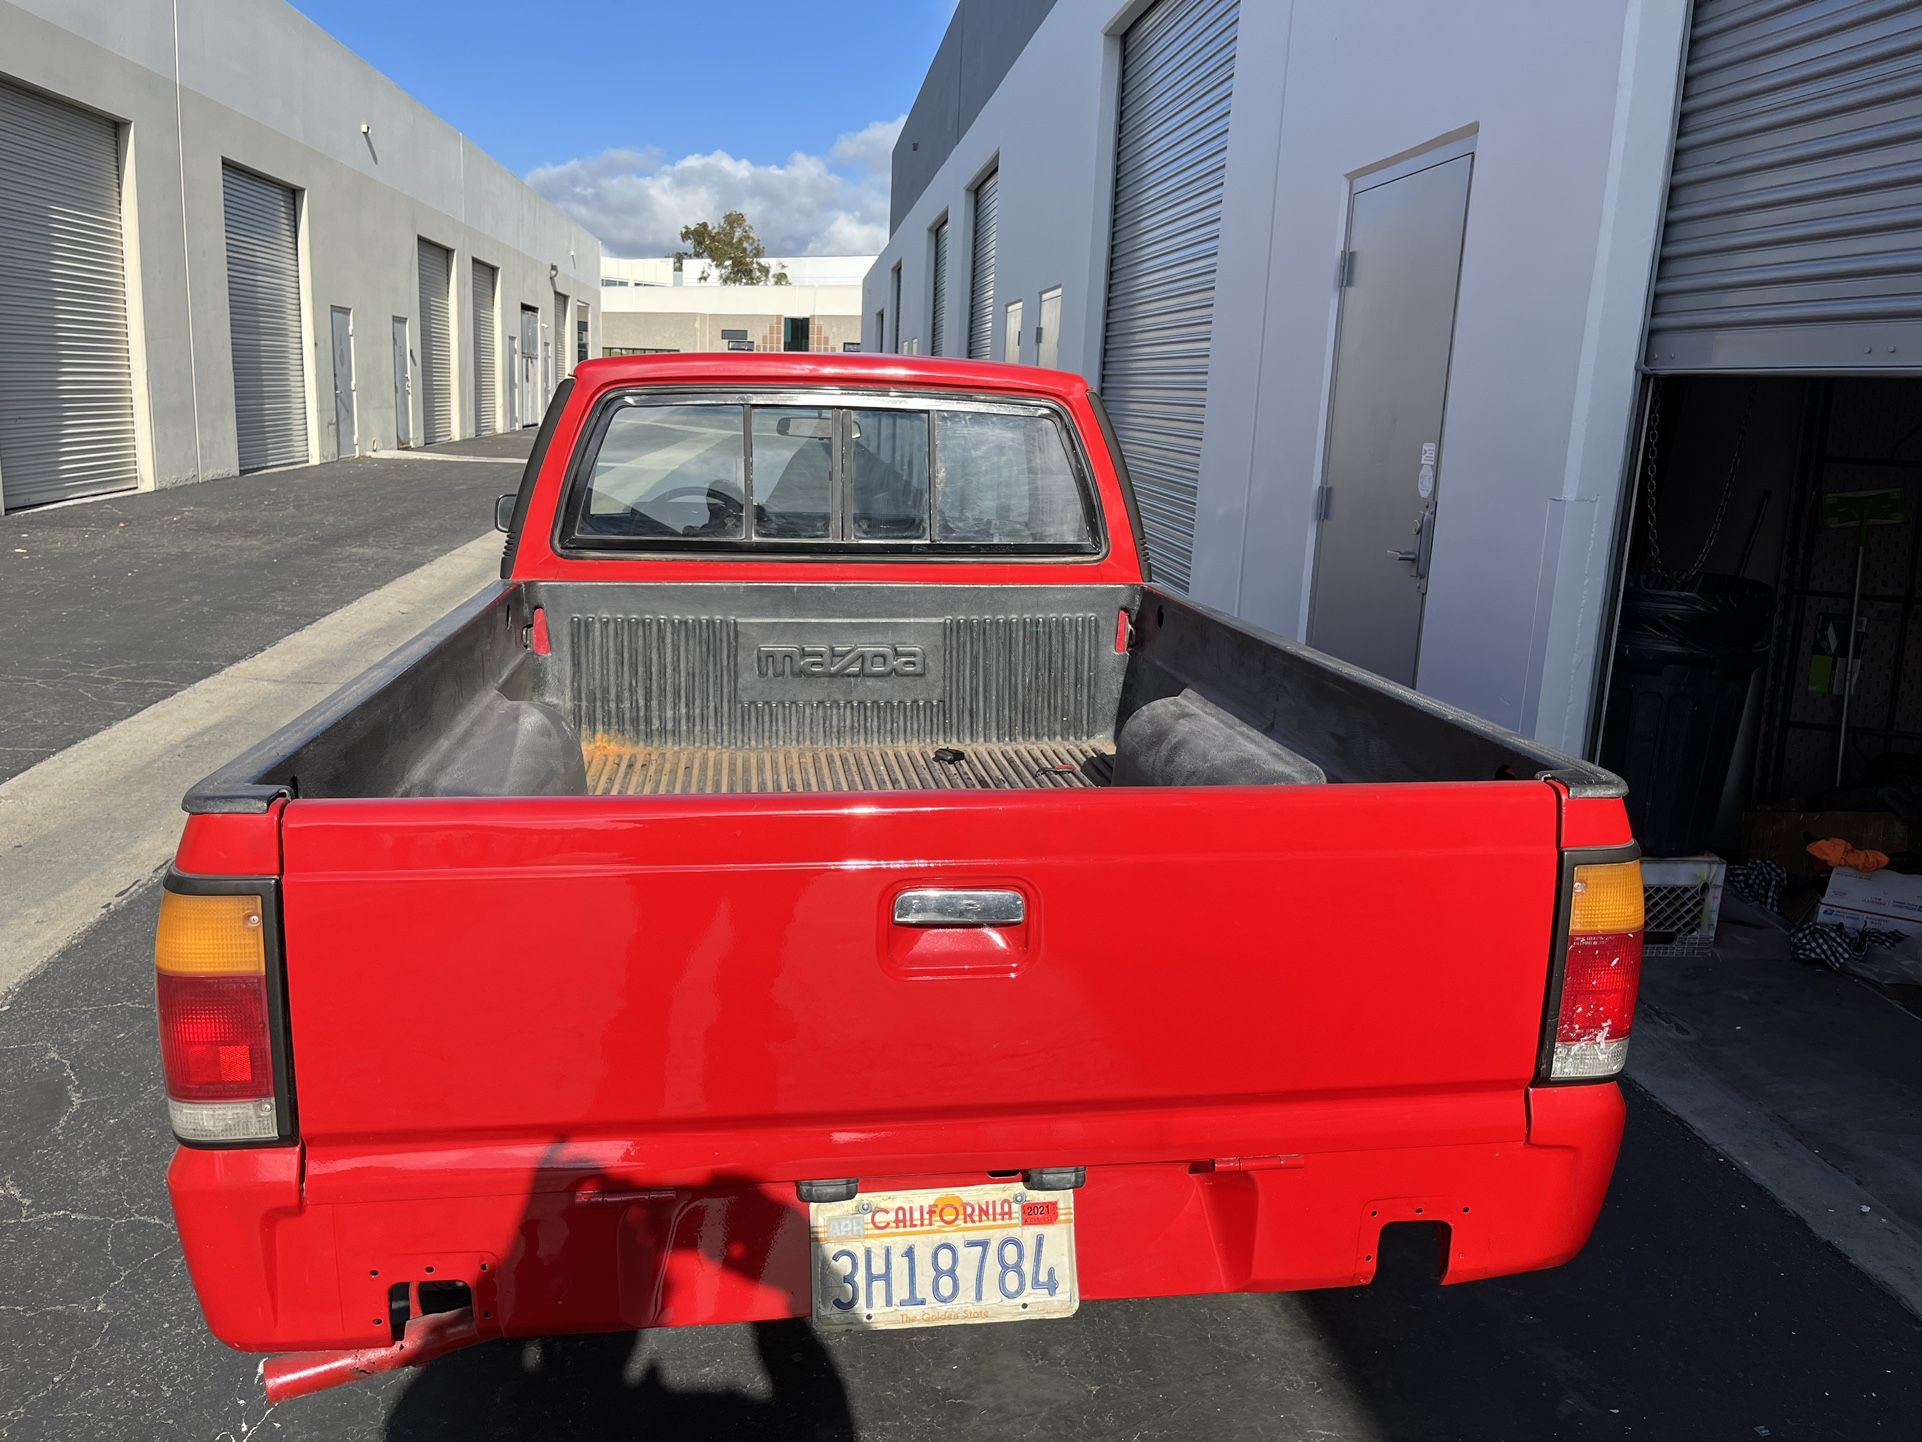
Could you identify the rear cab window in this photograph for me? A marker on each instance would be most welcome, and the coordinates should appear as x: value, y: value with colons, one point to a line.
x: 841, y: 472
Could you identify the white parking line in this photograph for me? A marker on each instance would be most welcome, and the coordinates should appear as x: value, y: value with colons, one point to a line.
x: 520, y: 461
x: 80, y: 830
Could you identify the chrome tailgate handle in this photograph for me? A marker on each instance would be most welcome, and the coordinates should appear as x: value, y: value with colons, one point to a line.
x: 939, y: 906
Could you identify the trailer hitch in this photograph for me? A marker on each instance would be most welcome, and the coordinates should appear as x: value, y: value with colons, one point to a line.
x: 301, y: 1374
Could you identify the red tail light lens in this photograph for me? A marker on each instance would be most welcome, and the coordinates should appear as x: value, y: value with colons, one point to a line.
x: 216, y: 1039
x: 1600, y: 973
x: 213, y: 1038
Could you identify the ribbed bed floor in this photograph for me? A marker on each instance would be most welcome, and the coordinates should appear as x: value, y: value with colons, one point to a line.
x: 617, y: 770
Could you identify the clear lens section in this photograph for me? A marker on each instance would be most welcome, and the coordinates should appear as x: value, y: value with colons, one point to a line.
x: 223, y: 1121
x: 1589, y: 1060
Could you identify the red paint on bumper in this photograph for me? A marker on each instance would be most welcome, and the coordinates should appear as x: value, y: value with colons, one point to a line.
x: 563, y: 1246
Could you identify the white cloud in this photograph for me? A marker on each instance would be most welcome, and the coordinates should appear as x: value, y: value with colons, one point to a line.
x: 636, y: 201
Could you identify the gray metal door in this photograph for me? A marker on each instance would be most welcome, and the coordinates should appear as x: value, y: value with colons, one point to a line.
x: 263, y: 320
x: 436, y: 344
x: 1047, y: 332
x: 1793, y: 238
x: 530, y: 378
x: 987, y: 197
x: 1171, y: 154
x: 66, y: 386
x: 938, y: 317
x: 563, y: 332
x: 487, y: 370
x: 513, y: 381
x: 1380, y: 479
x: 346, y: 434
x: 403, y: 385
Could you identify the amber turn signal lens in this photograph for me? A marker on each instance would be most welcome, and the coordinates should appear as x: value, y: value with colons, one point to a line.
x: 1608, y: 899
x: 210, y: 936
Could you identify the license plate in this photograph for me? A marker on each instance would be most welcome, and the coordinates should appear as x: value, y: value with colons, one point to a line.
x: 928, y: 1258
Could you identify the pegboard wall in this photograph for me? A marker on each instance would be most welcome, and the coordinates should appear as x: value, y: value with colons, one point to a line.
x: 1857, y: 435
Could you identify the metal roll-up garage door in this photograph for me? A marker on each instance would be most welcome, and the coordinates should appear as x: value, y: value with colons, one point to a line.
x: 937, y: 326
x: 1793, y: 239
x: 263, y: 319
x: 987, y: 197
x: 436, y: 344
x: 487, y: 368
x: 66, y: 384
x: 1171, y: 151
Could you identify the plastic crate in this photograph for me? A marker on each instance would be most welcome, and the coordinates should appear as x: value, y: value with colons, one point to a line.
x: 1682, y: 897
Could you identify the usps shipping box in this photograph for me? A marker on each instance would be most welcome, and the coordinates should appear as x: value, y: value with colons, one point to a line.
x: 1884, y: 900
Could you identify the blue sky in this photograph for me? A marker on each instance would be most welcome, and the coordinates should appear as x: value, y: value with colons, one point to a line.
x: 638, y: 118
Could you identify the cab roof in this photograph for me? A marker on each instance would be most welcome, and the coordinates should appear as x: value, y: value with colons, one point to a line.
x: 831, y: 369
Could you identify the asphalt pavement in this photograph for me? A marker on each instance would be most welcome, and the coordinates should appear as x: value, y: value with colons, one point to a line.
x: 1701, y: 1309
x: 118, y: 603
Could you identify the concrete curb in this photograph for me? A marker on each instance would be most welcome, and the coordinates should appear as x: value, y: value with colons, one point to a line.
x: 81, y: 830
x: 1834, y: 1206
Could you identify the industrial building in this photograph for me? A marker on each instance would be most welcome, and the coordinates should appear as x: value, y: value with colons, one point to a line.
x: 227, y: 244
x: 1424, y: 326
x: 659, y: 304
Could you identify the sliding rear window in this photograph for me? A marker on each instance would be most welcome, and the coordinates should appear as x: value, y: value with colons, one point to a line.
x: 828, y: 473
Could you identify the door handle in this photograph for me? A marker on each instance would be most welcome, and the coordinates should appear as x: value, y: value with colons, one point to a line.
x: 939, y: 906
x: 1410, y: 556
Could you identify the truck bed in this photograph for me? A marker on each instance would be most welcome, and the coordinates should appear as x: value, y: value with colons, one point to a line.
x: 559, y: 689
x: 615, y: 768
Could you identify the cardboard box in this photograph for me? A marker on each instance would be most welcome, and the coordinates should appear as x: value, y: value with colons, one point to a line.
x: 1783, y: 836
x: 1884, y: 900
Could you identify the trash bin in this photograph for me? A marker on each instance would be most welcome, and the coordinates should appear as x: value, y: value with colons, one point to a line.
x: 1686, y: 652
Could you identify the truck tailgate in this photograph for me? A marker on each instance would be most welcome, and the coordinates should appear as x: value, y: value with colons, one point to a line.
x: 720, y: 983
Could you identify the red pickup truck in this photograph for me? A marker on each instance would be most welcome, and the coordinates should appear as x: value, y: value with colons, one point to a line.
x: 826, y: 877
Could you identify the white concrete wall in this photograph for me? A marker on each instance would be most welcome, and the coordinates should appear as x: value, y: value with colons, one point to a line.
x: 1569, y: 107
x: 255, y: 83
x: 735, y: 300
x: 824, y: 270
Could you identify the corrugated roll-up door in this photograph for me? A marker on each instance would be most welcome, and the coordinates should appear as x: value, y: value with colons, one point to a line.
x: 66, y: 384
x: 263, y: 310
x: 487, y: 368
x: 1793, y: 239
x: 937, y: 327
x: 987, y: 196
x: 1171, y: 152
x: 436, y: 345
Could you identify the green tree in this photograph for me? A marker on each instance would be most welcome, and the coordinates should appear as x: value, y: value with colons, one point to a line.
x: 733, y: 252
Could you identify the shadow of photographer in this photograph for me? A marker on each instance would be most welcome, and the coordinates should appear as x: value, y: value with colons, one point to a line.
x: 730, y: 1234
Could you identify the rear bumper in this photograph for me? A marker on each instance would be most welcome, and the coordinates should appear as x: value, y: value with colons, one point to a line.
x: 570, y: 1250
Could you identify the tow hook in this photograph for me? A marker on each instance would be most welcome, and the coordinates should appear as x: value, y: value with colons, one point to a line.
x: 301, y: 1374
